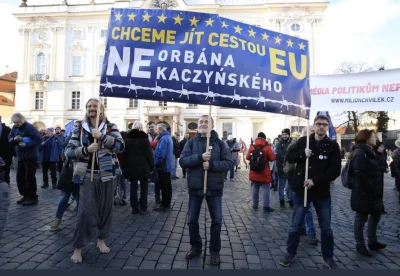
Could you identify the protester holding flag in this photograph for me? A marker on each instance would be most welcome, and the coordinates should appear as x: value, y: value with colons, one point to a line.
x: 96, y: 198
x: 324, y: 167
x: 196, y: 158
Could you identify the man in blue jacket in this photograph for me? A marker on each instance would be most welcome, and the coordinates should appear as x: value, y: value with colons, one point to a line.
x: 164, y: 161
x: 25, y: 137
x: 196, y: 158
x: 50, y: 151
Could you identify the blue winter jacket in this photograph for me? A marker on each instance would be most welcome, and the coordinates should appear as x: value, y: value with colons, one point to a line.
x: 56, y: 149
x: 164, y: 159
x: 220, y: 162
x: 31, y: 149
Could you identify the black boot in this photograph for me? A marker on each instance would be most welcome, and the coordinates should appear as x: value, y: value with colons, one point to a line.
x: 376, y: 246
x: 362, y: 249
x: 282, y: 204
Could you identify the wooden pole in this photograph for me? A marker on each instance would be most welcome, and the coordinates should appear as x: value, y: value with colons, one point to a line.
x: 95, y: 140
x: 307, y: 162
x: 207, y: 147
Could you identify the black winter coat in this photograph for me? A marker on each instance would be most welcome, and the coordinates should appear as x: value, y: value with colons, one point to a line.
x: 6, y: 150
x: 138, y: 156
x: 221, y: 161
x: 383, y: 165
x: 324, y: 166
x: 367, y: 192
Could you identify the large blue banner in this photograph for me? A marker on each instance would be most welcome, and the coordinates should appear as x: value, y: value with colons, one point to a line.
x: 199, y: 58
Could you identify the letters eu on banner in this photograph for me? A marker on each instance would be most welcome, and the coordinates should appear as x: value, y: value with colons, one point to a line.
x: 190, y: 57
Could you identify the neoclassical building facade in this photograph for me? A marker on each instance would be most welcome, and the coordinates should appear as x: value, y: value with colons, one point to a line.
x: 63, y: 48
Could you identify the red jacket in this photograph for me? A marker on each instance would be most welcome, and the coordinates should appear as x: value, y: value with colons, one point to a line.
x: 264, y: 176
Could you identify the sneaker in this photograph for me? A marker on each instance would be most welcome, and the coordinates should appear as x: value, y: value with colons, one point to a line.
x: 55, y: 225
x: 232, y: 180
x: 158, y: 200
x: 268, y: 209
x: 193, y: 253
x: 44, y: 186
x: 376, y: 246
x: 311, y: 240
x: 330, y: 263
x: 286, y: 261
x: 123, y: 202
x: 31, y: 202
x: 215, y: 259
x: 22, y: 200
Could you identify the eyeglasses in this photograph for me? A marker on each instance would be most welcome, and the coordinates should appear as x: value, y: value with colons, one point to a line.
x: 322, y: 124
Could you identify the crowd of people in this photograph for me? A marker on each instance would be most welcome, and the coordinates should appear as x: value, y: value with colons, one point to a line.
x: 95, y: 163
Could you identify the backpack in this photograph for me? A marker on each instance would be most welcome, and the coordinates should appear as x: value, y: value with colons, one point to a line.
x: 346, y: 173
x: 257, y: 161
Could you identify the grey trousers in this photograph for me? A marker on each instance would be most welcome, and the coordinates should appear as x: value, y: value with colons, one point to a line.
x: 4, y: 203
x: 96, y: 201
x: 359, y: 223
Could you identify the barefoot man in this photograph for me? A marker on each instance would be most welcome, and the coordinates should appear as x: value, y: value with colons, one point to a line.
x: 96, y: 199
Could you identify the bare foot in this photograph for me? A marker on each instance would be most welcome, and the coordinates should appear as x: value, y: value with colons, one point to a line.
x: 103, y: 247
x: 77, y: 256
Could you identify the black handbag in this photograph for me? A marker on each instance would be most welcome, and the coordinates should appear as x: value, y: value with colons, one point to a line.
x: 65, y: 180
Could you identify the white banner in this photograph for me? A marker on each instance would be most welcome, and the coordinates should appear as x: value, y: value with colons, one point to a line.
x: 373, y: 91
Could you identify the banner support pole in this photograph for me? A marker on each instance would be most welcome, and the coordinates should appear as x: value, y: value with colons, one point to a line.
x: 207, y: 147
x: 307, y: 162
x: 95, y: 140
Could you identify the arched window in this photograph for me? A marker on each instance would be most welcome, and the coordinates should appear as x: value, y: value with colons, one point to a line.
x: 41, y: 63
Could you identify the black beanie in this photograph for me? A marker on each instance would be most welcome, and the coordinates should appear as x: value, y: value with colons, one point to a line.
x: 262, y: 135
x: 287, y: 131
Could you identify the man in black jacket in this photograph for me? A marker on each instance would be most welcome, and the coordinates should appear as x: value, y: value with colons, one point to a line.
x: 6, y: 150
x: 324, y: 167
x: 196, y: 158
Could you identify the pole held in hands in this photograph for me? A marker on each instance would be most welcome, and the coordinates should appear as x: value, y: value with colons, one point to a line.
x: 207, y: 148
x: 307, y: 162
x: 95, y: 140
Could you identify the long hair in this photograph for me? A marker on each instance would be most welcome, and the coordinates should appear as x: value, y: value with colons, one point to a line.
x: 102, y: 117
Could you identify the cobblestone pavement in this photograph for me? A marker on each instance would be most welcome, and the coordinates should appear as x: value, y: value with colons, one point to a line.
x: 250, y: 239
